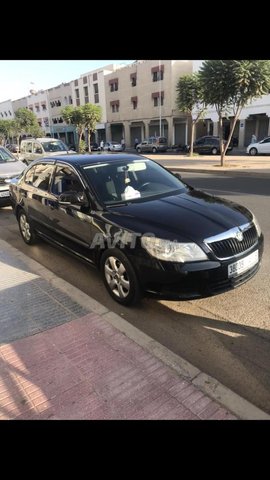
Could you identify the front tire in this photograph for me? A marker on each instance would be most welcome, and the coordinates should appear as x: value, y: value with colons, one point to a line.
x: 214, y: 151
x: 119, y: 277
x: 253, y: 151
x: 26, y: 230
x: 139, y: 150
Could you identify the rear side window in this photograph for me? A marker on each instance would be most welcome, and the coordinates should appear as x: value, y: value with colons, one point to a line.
x: 162, y: 140
x: 42, y: 176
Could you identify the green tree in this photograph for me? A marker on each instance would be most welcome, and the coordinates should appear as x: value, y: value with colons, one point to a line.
x: 4, y: 129
x: 27, y: 122
x: 75, y: 116
x: 189, y: 100
x: 92, y: 115
x: 229, y: 85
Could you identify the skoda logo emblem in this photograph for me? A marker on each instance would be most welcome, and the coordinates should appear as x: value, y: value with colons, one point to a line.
x: 239, y: 236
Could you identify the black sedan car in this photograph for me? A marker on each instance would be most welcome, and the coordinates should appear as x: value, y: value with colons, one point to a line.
x: 144, y: 228
x: 209, y: 145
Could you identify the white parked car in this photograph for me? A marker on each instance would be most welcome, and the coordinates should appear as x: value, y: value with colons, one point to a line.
x: 10, y: 167
x: 259, y: 148
x: 113, y: 147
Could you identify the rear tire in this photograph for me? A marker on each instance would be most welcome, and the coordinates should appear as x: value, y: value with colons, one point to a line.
x: 28, y: 234
x: 154, y: 150
x: 119, y: 277
x: 139, y: 150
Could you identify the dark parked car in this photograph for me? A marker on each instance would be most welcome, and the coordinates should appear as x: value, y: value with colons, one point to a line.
x: 12, y: 147
x: 10, y: 167
x: 143, y: 227
x: 208, y: 145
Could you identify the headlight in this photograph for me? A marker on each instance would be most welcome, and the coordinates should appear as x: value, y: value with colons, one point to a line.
x: 172, y: 251
x: 256, y: 223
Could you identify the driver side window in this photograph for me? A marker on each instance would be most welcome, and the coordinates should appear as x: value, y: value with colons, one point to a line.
x: 65, y: 181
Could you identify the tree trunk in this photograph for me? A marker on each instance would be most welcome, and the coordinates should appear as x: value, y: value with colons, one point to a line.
x: 192, y: 138
x: 232, y: 129
x: 88, y: 139
x: 221, y: 144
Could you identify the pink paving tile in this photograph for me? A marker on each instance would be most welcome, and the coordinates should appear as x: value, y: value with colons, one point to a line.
x: 192, y: 398
x: 209, y: 410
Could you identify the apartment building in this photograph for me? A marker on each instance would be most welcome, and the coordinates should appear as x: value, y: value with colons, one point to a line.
x: 20, y: 103
x: 141, y: 101
x: 37, y: 102
x: 90, y: 88
x: 6, y: 110
x: 254, y: 119
x: 58, y: 98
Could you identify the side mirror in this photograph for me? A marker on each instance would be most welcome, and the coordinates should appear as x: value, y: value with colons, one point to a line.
x: 73, y: 198
x: 177, y: 175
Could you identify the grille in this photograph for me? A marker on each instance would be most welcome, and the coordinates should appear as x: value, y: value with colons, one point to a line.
x: 231, y: 246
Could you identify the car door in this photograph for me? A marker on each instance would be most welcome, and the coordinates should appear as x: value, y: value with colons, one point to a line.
x: 199, y: 145
x: 69, y: 224
x: 34, y: 193
x: 144, y: 146
x: 264, y: 146
x: 27, y: 151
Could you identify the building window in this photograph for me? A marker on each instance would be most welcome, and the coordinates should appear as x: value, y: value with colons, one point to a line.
x: 70, y: 99
x: 96, y: 98
x: 84, y: 79
x: 6, y: 114
x: 95, y: 87
x: 37, y: 108
x: 158, y: 98
x: 44, y: 107
x: 9, y: 112
x: 134, y: 101
x: 76, y: 83
x: 133, y: 78
x: 31, y: 108
x: 94, y: 77
x: 115, y: 106
x: 86, y: 98
x: 77, y: 94
x: 113, y: 84
x: 157, y: 73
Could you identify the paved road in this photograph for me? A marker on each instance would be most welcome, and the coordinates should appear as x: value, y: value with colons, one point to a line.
x: 226, y: 336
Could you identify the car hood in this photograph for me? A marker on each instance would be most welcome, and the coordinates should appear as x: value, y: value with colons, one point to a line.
x: 188, y: 216
x: 11, y: 169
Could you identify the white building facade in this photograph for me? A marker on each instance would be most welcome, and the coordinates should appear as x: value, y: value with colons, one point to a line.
x: 37, y: 102
x: 254, y: 119
x: 141, y: 101
x: 6, y: 110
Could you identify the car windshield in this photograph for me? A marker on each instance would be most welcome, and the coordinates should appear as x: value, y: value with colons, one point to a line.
x: 54, y: 146
x: 125, y: 181
x: 5, y: 156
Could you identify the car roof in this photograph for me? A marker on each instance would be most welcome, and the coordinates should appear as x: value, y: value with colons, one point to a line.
x: 81, y: 159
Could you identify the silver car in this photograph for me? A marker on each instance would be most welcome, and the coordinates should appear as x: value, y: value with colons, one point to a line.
x: 36, y: 148
x: 10, y: 167
x: 113, y: 147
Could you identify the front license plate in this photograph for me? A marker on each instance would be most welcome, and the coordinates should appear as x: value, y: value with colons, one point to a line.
x: 4, y: 194
x: 236, y: 268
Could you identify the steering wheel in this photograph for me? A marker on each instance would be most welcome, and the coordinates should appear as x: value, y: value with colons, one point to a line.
x: 142, y: 187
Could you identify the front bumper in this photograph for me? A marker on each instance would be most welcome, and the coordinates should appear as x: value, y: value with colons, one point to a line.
x: 170, y: 280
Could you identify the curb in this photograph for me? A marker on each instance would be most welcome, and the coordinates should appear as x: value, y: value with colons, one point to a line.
x: 209, y: 385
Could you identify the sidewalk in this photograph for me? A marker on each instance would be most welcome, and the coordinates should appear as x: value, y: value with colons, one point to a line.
x: 65, y: 356
x: 237, y: 165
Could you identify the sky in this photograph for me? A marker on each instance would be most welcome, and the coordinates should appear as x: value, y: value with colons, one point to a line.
x: 18, y: 77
